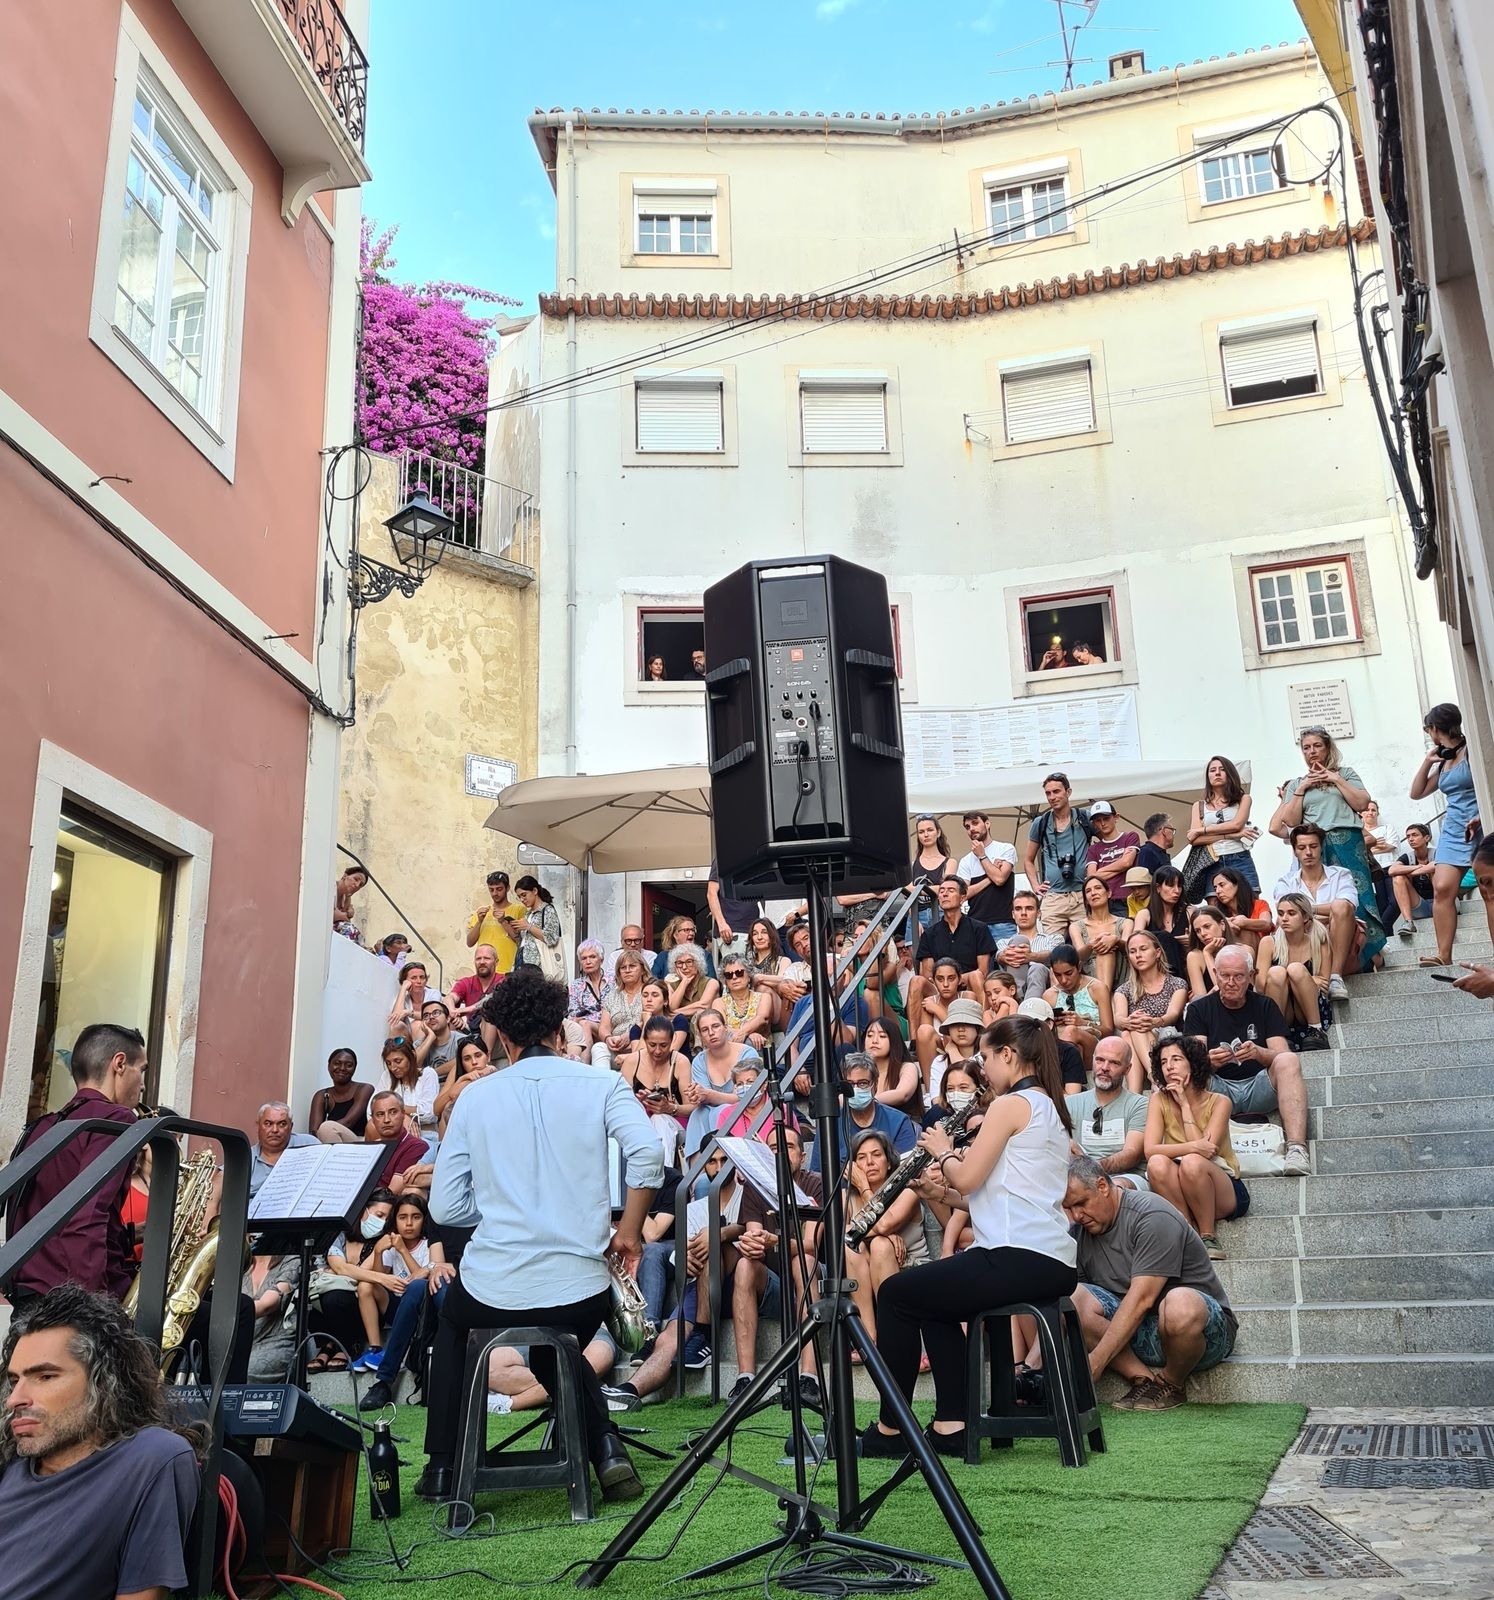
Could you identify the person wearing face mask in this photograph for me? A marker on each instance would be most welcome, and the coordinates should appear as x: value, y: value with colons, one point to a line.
x: 865, y: 1112
x: 735, y: 1121
x: 1110, y: 1119
x: 333, y: 1296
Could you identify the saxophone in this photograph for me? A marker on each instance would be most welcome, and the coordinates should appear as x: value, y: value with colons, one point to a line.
x: 194, y: 1254
x: 628, y: 1321
x: 909, y: 1169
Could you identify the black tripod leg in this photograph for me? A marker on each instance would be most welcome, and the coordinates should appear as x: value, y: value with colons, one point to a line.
x: 784, y: 1359
x: 956, y: 1513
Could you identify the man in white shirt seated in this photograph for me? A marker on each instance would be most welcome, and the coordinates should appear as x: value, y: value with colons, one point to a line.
x: 524, y: 1161
x: 632, y: 938
x: 1333, y: 894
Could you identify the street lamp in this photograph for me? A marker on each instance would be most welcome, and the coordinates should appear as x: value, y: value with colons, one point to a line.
x: 418, y: 531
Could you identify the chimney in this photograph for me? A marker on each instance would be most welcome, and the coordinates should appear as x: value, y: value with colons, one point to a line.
x: 1128, y: 64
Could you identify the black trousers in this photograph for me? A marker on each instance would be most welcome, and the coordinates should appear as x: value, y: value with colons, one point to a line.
x: 460, y: 1314
x: 926, y: 1305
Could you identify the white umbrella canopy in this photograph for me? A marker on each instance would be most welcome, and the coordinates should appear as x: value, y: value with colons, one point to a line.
x: 613, y: 821
x: 1013, y: 796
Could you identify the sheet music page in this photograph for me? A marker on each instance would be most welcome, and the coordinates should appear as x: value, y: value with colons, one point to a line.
x: 755, y: 1163
x: 334, y: 1186
x: 281, y: 1191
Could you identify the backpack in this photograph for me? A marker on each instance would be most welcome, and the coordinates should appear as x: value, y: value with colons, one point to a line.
x: 1045, y: 827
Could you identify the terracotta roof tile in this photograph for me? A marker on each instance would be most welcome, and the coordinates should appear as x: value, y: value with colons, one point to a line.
x: 883, y: 307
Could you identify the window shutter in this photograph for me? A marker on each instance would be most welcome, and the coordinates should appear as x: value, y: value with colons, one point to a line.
x: 1048, y: 403
x: 1277, y: 355
x: 679, y: 418
x: 849, y: 419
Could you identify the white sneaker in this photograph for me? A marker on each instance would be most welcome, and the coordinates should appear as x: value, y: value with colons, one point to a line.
x: 499, y: 1405
x: 1295, y: 1164
x: 1337, y: 988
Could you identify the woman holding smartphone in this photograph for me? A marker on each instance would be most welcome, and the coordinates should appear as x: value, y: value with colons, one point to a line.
x: 1445, y: 769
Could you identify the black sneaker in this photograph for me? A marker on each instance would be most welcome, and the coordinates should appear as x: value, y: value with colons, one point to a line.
x: 809, y: 1392
x: 375, y: 1397
x: 1030, y: 1388
x: 887, y: 1446
x: 622, y: 1397
x: 946, y: 1444
x: 741, y: 1386
x: 1313, y: 1039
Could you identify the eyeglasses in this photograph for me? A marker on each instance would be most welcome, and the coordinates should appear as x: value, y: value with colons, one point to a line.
x: 637, y: 939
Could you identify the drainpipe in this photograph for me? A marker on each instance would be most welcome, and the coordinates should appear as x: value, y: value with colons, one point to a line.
x: 570, y: 452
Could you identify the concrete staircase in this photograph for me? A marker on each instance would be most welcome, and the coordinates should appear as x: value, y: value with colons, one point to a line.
x: 1372, y: 1281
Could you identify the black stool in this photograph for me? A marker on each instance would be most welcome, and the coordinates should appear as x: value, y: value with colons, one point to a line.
x: 562, y: 1458
x: 1071, y: 1411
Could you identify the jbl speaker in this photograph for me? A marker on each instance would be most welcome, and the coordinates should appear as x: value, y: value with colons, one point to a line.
x: 804, y: 728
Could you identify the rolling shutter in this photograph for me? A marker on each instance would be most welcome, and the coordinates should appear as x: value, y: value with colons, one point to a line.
x: 679, y: 418
x: 1048, y: 404
x: 1273, y: 356
x: 848, y: 419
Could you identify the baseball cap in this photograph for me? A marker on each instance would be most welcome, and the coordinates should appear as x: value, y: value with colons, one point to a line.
x: 1038, y: 1009
x: 965, y: 1011
x: 1102, y: 808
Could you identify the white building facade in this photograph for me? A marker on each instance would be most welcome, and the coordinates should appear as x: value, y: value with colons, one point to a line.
x: 1076, y: 370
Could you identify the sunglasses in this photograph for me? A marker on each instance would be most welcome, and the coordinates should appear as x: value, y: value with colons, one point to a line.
x: 736, y: 972
x: 399, y: 1038
x: 1098, y: 1125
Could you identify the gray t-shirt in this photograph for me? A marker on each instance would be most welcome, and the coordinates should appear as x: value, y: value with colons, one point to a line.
x: 1148, y: 1239
x: 1125, y: 1114
x: 114, y: 1523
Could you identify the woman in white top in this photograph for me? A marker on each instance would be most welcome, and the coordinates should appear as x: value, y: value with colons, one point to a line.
x: 417, y: 1086
x: 1011, y: 1180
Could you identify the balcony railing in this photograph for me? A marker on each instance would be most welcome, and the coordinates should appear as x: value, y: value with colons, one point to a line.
x: 335, y: 56
x: 491, y: 517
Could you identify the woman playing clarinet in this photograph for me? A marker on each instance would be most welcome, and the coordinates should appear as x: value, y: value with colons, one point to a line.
x: 1011, y: 1180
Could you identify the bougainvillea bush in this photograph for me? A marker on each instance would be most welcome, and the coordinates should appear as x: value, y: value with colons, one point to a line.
x: 424, y: 370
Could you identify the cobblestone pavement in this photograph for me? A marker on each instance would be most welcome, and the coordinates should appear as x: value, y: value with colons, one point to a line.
x: 1311, y: 1542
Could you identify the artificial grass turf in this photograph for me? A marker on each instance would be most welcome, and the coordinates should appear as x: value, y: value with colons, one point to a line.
x: 1153, y: 1515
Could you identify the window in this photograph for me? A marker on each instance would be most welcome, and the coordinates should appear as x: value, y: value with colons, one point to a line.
x: 1070, y: 632
x: 171, y: 268
x: 675, y: 218
x: 1036, y: 210
x: 1276, y: 362
x: 107, y: 944
x: 1239, y: 174
x: 843, y: 417
x: 1047, y: 402
x: 679, y: 416
x: 1298, y: 607
x: 668, y: 639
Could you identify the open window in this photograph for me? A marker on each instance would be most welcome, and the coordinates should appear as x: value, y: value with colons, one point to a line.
x: 669, y: 641
x: 1071, y: 633
x: 1279, y: 360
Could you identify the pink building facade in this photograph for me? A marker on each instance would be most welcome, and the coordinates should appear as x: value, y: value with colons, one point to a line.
x: 180, y: 278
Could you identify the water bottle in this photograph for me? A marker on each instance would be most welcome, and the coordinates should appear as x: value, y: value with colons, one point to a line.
x: 383, y: 1474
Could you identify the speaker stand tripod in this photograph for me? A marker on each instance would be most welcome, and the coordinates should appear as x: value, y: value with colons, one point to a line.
x: 834, y: 1321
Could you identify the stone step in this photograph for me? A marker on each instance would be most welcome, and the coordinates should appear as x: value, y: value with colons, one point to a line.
x: 1470, y: 944
x: 1368, y: 1191
x: 1474, y: 1054
x: 1444, y: 1378
x: 1389, y: 1152
x: 1454, y: 1028
x: 1367, y: 1328
x: 1409, y: 1232
x: 1452, y: 1114
x: 1412, y: 980
x: 1283, y: 1280
x: 1399, y: 1085
x: 1431, y: 1000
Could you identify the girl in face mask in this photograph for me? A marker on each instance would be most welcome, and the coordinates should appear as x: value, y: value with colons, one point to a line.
x: 334, y: 1298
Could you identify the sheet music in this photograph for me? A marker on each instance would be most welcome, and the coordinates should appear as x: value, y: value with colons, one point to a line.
x: 312, y: 1181
x: 755, y: 1164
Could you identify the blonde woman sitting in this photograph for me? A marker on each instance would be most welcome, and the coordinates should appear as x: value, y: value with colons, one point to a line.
x: 1293, y: 966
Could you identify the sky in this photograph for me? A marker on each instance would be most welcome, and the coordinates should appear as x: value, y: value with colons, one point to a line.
x: 452, y: 82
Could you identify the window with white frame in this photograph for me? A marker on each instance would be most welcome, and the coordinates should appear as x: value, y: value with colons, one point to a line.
x: 679, y: 415
x: 1070, y: 632
x: 1028, y: 203
x: 1047, y: 400
x: 1302, y: 606
x: 1277, y: 361
x: 172, y: 271
x: 674, y: 219
x: 671, y: 644
x: 1237, y: 174
x: 843, y: 414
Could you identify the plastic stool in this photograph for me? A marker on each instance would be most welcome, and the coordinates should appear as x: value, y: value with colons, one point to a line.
x: 1071, y: 1413
x: 562, y: 1459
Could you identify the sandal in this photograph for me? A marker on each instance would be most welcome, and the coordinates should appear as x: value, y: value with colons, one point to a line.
x: 1432, y: 961
x: 336, y: 1362
x: 318, y: 1362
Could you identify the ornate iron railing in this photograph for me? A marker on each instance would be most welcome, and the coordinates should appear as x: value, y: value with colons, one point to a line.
x: 335, y: 56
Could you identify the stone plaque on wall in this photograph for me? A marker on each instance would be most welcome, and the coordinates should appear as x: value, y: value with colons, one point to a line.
x: 1322, y: 705
x: 488, y: 776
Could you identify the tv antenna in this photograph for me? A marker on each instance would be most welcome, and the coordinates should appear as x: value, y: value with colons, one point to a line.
x: 1070, y: 35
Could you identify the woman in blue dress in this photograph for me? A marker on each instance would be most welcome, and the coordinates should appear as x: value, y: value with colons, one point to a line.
x: 1447, y: 770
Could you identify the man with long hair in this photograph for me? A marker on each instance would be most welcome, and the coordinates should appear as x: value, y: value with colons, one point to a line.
x: 96, y: 1489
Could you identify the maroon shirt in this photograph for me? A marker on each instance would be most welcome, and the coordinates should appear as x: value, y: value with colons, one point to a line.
x: 469, y: 990
x: 93, y: 1248
x: 404, y: 1155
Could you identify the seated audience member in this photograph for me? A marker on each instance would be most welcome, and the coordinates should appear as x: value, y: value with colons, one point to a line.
x: 1081, y: 1005
x: 467, y: 994
x: 770, y: 971
x: 955, y: 936
x: 93, y: 1247
x: 97, y: 1490
x: 1070, y: 1062
x: 958, y: 1087
x: 1026, y: 954
x: 394, y: 948
x: 660, y: 1076
x: 1478, y: 976
x: 655, y: 1003
x: 1138, y: 892
x: 414, y: 991
x: 1160, y: 842
x: 989, y: 871
x: 899, y: 1083
x: 853, y: 1018
x: 1248, y: 916
x: 1334, y: 896
x: 472, y: 1063
x: 635, y: 941
x: 1149, y: 1300
x: 1109, y: 1120
x: 1246, y: 1037
x: 1165, y: 914
x: 1208, y: 932
x: 928, y: 1018
x: 271, y: 1283
x: 434, y: 1040
x: 711, y: 1073
x: 584, y: 1008
x: 1111, y: 853
x: 622, y: 1002
x: 751, y: 1085
x: 1002, y: 997
x: 416, y: 1086
x: 274, y: 1130
x: 1410, y: 878
x: 748, y: 1011
x: 512, y: 1386
x: 1189, y: 1160
x: 419, y: 1271
x: 687, y: 987
x: 1291, y: 968
x: 407, y: 1167
x: 1148, y: 1001
x: 339, y: 1115
x: 863, y: 1112
x: 334, y: 1308
x: 677, y: 931
x: 1099, y: 935
x: 897, y: 1240
x: 959, y: 1039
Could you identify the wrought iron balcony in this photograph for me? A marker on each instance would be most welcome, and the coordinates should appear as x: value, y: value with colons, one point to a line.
x: 335, y: 56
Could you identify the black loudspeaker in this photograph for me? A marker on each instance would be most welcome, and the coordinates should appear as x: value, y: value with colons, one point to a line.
x: 804, y: 728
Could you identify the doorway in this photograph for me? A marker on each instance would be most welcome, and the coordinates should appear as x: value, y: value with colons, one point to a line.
x: 663, y: 901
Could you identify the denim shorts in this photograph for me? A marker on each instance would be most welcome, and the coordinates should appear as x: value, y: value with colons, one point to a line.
x: 1146, y: 1342
x: 1251, y: 1097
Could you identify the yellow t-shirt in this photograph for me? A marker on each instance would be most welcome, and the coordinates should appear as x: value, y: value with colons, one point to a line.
x: 488, y: 932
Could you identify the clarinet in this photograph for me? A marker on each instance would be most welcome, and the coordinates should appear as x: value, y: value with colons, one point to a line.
x: 908, y: 1170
